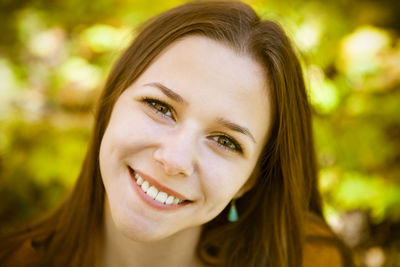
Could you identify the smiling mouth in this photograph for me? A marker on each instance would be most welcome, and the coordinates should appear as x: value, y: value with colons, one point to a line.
x: 155, y: 193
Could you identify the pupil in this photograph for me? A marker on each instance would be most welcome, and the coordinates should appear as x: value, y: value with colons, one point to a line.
x: 161, y: 108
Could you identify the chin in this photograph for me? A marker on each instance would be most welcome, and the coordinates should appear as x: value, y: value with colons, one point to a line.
x: 141, y: 230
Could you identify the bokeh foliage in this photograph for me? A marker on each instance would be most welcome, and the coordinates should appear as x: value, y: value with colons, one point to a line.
x: 55, y: 56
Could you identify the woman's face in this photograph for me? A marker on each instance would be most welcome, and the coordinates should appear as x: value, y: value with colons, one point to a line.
x: 191, y: 129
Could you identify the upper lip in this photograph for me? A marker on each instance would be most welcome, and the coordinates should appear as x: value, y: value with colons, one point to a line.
x: 159, y: 186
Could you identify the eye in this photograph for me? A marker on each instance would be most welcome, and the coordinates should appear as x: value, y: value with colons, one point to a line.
x: 227, y: 143
x: 159, y: 107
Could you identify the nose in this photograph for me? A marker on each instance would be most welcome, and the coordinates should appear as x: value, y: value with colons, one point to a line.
x: 176, y: 153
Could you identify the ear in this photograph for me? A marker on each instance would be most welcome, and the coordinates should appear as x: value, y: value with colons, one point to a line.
x: 249, y: 183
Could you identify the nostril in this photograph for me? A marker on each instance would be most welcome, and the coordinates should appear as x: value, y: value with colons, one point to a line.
x: 173, y: 162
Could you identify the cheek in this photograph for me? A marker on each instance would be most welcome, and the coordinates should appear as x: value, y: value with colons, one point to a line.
x: 127, y: 132
x: 224, y: 179
x: 116, y: 144
x: 222, y: 183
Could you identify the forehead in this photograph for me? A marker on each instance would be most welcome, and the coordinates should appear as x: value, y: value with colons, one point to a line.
x: 215, y: 79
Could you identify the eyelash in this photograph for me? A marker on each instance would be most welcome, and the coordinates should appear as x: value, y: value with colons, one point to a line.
x: 237, y: 147
x: 152, y: 102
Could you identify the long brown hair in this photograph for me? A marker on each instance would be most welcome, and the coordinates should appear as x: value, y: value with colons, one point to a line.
x: 270, y: 230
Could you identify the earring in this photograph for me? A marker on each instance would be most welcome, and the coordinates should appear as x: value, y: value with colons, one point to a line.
x: 233, y: 214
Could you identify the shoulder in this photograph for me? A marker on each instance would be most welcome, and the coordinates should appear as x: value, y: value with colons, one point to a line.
x: 25, y: 255
x: 322, y: 247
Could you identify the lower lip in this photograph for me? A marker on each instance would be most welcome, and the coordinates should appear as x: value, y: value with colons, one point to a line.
x: 151, y: 202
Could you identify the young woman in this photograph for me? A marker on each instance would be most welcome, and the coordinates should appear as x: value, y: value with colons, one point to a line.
x: 201, y: 155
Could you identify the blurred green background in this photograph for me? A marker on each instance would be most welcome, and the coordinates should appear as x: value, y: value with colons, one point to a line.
x: 55, y: 56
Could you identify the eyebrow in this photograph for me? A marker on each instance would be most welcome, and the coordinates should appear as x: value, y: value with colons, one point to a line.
x: 168, y: 92
x: 228, y: 124
x: 237, y: 128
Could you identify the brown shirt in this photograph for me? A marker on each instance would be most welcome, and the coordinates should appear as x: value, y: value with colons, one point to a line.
x: 25, y: 256
x: 320, y: 249
x: 316, y: 253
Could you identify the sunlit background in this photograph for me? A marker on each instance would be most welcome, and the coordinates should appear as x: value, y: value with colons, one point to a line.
x: 55, y: 56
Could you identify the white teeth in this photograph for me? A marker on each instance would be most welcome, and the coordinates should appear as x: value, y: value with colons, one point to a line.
x: 145, y: 186
x: 161, y: 197
x: 139, y: 180
x: 169, y: 200
x: 153, y: 192
x: 178, y: 201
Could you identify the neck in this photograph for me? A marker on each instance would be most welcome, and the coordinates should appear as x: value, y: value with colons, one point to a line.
x: 119, y: 250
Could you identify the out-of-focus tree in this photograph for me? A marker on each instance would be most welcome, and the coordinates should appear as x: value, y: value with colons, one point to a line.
x: 54, y: 58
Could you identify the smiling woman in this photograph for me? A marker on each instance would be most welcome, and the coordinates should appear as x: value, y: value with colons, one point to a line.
x: 174, y: 139
x: 204, y: 115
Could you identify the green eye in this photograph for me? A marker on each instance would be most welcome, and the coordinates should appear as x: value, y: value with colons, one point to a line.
x: 160, y: 107
x: 227, y: 143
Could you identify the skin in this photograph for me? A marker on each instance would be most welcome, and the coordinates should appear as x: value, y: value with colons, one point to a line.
x: 183, y: 146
